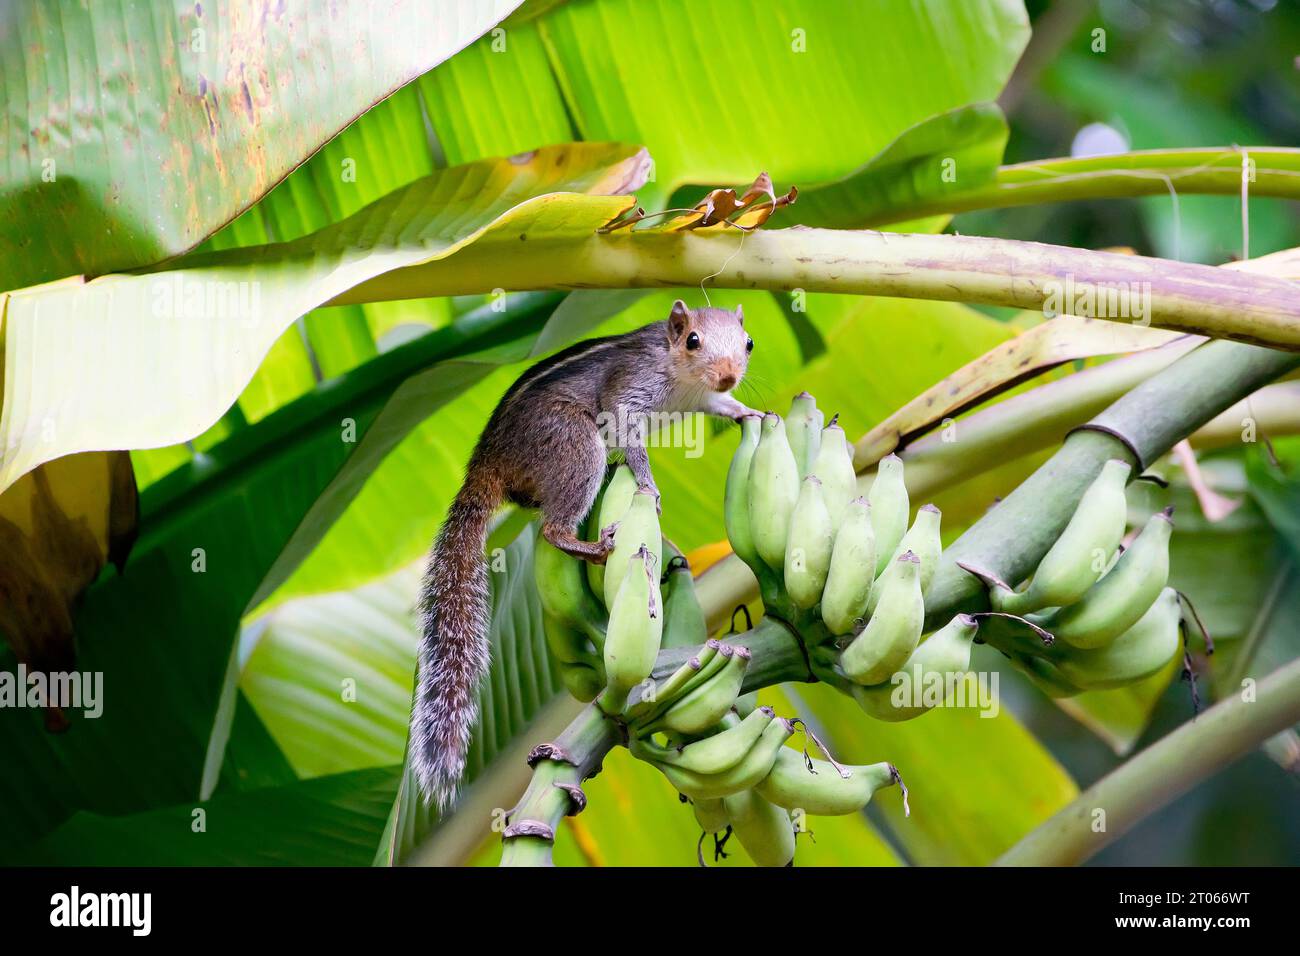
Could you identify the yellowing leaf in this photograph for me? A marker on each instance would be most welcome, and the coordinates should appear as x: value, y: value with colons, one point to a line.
x: 141, y: 361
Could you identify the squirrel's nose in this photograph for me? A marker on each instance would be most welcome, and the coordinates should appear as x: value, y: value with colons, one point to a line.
x: 726, y: 382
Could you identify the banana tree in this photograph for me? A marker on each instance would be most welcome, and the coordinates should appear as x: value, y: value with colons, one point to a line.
x: 300, y: 391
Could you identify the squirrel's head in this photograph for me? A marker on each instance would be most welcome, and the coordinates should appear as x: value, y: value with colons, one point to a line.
x: 709, y: 345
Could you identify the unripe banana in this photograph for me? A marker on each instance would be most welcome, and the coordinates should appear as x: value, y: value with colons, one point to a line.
x: 564, y: 594
x: 684, y: 623
x: 716, y: 753
x: 1083, y: 551
x: 639, y: 528
x: 746, y: 703
x: 852, y: 570
x: 834, y: 466
x: 1137, y: 653
x: 1045, y: 676
x: 677, y: 683
x: 922, y: 539
x: 808, y: 550
x: 582, y: 681
x: 946, y: 651
x: 751, y: 769
x: 702, y: 707
x: 822, y: 791
x: 711, y: 815
x: 615, y: 498
x: 773, y: 490
x: 763, y: 829
x: 635, y: 629
x: 889, y: 508
x: 736, y: 500
x: 1118, y: 601
x: 894, y: 629
x: 803, y: 428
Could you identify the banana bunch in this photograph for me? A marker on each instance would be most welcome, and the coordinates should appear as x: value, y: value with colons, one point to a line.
x: 794, y: 516
x: 731, y: 761
x: 1081, y: 554
x: 1113, y: 621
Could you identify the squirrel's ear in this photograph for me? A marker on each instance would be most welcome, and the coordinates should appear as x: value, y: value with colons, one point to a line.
x: 740, y: 315
x: 678, y: 319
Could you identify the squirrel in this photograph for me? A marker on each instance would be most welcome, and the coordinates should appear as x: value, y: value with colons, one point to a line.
x: 544, y: 447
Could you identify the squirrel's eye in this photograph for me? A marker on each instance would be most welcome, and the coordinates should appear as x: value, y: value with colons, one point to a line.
x: 749, y: 345
x: 693, y: 341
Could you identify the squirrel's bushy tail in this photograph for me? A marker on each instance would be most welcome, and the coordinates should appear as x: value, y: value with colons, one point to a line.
x: 453, y: 647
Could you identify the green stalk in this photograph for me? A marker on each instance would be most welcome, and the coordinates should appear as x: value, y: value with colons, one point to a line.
x: 1160, y: 172
x: 1161, y: 773
x: 1221, y: 303
x: 1012, y: 538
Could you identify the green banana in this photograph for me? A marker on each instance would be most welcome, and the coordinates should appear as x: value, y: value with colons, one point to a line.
x: 803, y: 427
x: 736, y: 501
x: 889, y: 509
x: 746, y: 703
x: 808, y: 550
x: 763, y: 829
x: 922, y: 539
x: 834, y: 466
x: 704, y: 705
x: 635, y: 629
x: 1083, y: 551
x: 1137, y: 653
x: 894, y: 629
x: 582, y: 681
x: 714, y: 754
x: 676, y: 683
x: 946, y: 651
x: 1118, y: 600
x: 852, y: 570
x: 564, y: 594
x: 1045, y: 676
x: 639, y: 528
x: 711, y: 815
x: 773, y: 490
x: 751, y: 769
x: 684, y: 623
x: 822, y: 791
x: 615, y: 498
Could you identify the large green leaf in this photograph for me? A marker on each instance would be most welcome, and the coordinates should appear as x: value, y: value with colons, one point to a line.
x: 330, y: 821
x: 853, y: 76
x: 939, y: 156
x: 170, y: 675
x: 159, y: 357
x: 133, y: 131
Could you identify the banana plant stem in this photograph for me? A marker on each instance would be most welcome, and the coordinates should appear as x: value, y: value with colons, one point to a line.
x: 1161, y: 773
x: 1270, y: 173
x: 1223, y: 303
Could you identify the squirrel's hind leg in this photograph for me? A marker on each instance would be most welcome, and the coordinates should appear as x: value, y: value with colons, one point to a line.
x: 567, y: 487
